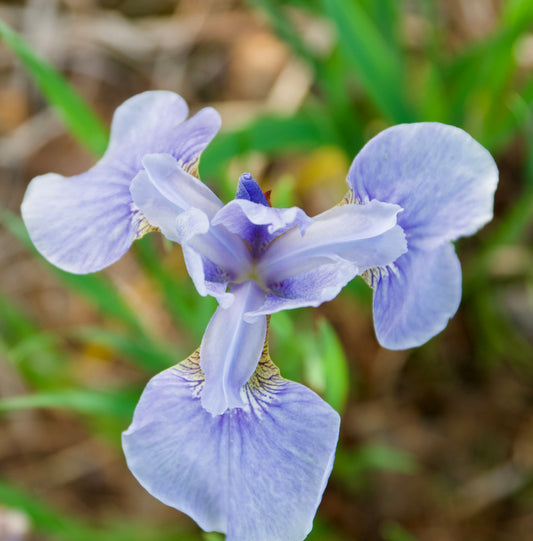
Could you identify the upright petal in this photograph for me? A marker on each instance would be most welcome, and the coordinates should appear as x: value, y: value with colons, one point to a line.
x: 442, y: 178
x: 228, y: 251
x: 415, y: 298
x: 179, y: 187
x: 231, y: 348
x: 83, y: 223
x: 255, y: 473
x: 163, y: 190
x: 251, y: 191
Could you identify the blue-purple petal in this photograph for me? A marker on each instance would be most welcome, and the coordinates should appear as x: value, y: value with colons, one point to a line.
x: 83, y: 223
x: 251, y: 191
x: 178, y: 186
x: 364, y: 235
x: 260, y: 224
x: 154, y: 122
x: 256, y: 473
x: 86, y: 222
x: 231, y: 348
x: 415, y: 298
x: 442, y: 178
x: 310, y: 288
x: 163, y: 191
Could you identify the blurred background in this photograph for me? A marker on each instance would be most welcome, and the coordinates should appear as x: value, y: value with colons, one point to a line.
x: 437, y: 442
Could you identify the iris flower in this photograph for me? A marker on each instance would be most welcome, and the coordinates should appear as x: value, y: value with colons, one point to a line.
x: 222, y: 436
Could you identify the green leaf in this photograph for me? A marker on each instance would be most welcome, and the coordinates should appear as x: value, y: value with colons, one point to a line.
x: 35, y: 355
x: 103, y: 403
x: 303, y: 131
x: 326, y: 359
x: 378, y: 67
x: 153, y: 356
x: 50, y: 522
x: 352, y: 465
x: 79, y: 118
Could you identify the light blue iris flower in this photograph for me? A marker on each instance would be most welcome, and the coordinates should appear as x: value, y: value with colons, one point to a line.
x: 222, y: 436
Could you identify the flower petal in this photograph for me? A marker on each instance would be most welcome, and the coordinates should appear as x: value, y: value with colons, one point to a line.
x: 231, y: 348
x: 256, y: 473
x: 249, y: 189
x: 414, y: 300
x: 215, y: 243
x: 365, y: 235
x: 179, y: 187
x: 258, y: 224
x: 83, y: 223
x: 442, y: 178
x: 86, y: 222
x: 153, y: 122
x: 310, y: 288
x: 163, y: 191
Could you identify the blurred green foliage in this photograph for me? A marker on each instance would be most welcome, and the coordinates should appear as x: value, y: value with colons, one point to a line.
x: 370, y: 77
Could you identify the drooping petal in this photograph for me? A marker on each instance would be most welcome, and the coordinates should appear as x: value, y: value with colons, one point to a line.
x: 231, y: 348
x: 86, y: 222
x: 256, y: 473
x: 442, y: 178
x: 365, y: 235
x: 83, y: 223
x: 414, y: 300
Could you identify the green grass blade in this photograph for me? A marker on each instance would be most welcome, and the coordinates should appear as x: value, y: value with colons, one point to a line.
x: 378, y: 67
x: 35, y: 355
x: 79, y: 118
x: 483, y: 72
x: 303, y: 131
x: 59, y: 526
x: 148, y: 354
x: 109, y: 403
x: 331, y: 77
x: 336, y: 375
